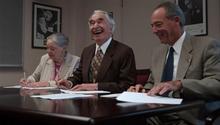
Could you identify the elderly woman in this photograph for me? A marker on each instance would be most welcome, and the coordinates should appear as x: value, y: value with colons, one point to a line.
x: 56, y: 64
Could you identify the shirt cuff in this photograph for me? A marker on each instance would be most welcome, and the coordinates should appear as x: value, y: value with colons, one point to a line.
x: 52, y: 83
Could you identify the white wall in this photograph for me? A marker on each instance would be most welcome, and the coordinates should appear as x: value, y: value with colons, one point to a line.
x: 133, y: 28
x: 71, y: 10
x: 137, y: 30
x: 214, y: 18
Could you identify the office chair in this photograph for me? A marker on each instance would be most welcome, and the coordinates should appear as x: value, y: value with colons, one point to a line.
x: 213, y: 118
x: 142, y: 76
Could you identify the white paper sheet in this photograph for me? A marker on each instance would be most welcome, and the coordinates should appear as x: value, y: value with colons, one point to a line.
x: 13, y: 86
x: 49, y: 87
x: 144, y: 98
x: 19, y: 86
x: 84, y: 92
x: 61, y: 96
x: 111, y: 95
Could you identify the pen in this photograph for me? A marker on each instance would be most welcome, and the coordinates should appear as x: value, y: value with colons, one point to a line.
x: 24, y: 76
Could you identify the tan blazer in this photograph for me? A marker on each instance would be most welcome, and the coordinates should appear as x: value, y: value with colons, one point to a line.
x: 45, y: 70
x: 198, y: 68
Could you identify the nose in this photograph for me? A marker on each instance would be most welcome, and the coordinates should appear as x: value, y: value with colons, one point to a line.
x: 96, y: 24
x: 49, y: 51
x: 93, y: 26
x: 154, y: 29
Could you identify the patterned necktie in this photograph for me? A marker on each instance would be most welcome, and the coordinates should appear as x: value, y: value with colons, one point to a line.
x: 95, y: 64
x: 168, y: 69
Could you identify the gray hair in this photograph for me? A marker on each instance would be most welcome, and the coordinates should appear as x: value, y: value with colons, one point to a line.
x: 173, y: 10
x: 60, y: 39
x: 109, y: 18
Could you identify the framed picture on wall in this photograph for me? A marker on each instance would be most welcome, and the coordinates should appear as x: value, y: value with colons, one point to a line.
x: 45, y: 21
x: 195, y: 12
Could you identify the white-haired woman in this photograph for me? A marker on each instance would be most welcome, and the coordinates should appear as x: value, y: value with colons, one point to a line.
x: 56, y: 64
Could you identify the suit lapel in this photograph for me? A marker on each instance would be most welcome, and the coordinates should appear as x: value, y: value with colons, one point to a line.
x: 49, y: 67
x: 64, y: 70
x: 107, y: 60
x: 185, y: 58
x: 161, y: 62
x: 65, y: 67
x: 86, y: 62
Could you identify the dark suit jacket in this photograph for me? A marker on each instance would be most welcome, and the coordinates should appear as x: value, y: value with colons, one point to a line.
x: 117, y: 71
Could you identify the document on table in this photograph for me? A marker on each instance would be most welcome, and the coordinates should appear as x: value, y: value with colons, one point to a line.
x: 84, y: 92
x: 13, y: 86
x: 111, y: 95
x: 48, y: 87
x: 19, y: 86
x: 61, y: 96
x: 144, y: 98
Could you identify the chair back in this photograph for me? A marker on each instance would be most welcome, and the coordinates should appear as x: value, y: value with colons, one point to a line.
x: 142, y: 76
x: 212, y: 113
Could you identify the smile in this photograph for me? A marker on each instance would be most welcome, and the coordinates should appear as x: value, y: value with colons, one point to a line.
x: 97, y: 31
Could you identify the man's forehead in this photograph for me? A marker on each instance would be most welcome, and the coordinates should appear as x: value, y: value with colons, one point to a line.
x: 97, y: 15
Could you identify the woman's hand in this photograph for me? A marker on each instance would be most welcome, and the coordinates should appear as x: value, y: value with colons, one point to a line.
x: 24, y: 82
x: 34, y: 84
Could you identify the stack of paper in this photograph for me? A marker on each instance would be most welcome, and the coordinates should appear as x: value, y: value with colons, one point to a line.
x: 61, y: 96
x: 13, y: 86
x: 67, y: 94
x: 84, y: 92
x: 49, y: 87
x: 144, y: 98
x: 19, y: 86
x: 111, y: 95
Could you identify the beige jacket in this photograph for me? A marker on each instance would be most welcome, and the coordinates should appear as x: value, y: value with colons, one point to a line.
x: 198, y: 69
x: 45, y: 70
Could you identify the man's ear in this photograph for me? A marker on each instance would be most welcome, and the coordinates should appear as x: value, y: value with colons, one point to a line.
x: 177, y: 19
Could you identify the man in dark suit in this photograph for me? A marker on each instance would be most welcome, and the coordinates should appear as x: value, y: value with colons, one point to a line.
x: 117, y: 66
x: 196, y: 63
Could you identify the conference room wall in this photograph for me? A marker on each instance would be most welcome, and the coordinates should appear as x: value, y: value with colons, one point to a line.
x: 72, y: 11
x: 133, y: 28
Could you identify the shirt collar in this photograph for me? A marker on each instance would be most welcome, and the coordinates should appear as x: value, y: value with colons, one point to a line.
x: 178, y: 44
x: 104, y: 46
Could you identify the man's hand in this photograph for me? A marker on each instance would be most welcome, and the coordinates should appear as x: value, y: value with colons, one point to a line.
x: 136, y: 88
x: 165, y: 87
x: 64, y: 84
x: 85, y: 86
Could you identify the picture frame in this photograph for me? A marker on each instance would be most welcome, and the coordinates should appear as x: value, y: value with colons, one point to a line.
x: 195, y: 12
x: 46, y: 19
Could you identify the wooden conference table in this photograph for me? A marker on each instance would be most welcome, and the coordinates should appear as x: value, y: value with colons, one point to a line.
x: 17, y: 107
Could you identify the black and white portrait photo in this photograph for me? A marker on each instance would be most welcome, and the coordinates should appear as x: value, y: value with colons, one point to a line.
x: 195, y: 12
x: 192, y: 10
x: 46, y: 20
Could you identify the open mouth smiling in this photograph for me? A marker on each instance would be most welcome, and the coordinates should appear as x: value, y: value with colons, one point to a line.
x: 97, y: 31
